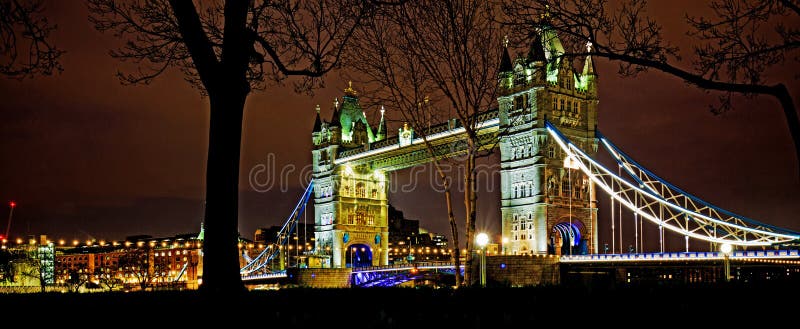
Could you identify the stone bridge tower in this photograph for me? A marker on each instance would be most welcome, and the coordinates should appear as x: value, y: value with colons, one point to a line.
x: 350, y: 202
x: 544, y: 203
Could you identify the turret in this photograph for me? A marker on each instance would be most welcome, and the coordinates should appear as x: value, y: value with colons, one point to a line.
x: 536, y: 53
x: 335, y: 124
x: 589, y: 76
x: 355, y: 130
x: 381, y: 135
x: 506, y: 71
x: 316, y: 133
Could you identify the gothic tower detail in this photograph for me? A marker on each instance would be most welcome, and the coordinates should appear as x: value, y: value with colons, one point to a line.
x: 546, y: 207
x: 350, y: 202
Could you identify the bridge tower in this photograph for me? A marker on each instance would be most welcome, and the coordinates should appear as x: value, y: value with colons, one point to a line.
x: 544, y: 204
x: 350, y: 201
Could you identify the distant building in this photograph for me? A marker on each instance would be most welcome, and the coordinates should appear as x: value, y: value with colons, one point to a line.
x: 138, y: 262
x: 409, y: 243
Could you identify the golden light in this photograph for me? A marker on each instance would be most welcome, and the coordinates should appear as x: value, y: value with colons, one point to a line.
x: 88, y: 242
x: 61, y: 242
x: 571, y: 163
x: 102, y: 242
x: 75, y: 242
x: 726, y: 248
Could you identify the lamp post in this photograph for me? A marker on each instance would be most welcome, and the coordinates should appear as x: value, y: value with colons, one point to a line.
x: 482, y: 239
x: 726, y: 250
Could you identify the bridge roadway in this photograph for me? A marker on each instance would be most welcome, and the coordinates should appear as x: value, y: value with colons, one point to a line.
x: 368, y: 269
x: 681, y: 256
x: 361, y: 275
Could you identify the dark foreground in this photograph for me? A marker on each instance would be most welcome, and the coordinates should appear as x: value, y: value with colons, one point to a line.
x: 557, y: 307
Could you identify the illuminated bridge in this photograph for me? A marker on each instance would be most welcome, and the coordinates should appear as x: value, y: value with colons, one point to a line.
x: 545, y: 127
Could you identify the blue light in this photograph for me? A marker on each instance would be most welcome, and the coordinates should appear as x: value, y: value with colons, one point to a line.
x: 502, y: 265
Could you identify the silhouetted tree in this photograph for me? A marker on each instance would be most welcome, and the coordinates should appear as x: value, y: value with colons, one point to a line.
x: 25, y: 48
x: 142, y: 264
x: 76, y: 277
x: 37, y: 262
x: 6, y: 269
x: 735, y: 46
x: 228, y: 49
x: 109, y: 276
x: 435, y: 60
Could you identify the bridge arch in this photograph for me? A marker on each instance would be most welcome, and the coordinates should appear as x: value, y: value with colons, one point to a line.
x: 359, y: 254
x: 568, y: 237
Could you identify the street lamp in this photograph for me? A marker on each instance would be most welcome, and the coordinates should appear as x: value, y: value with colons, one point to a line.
x: 726, y: 250
x: 505, y: 242
x: 482, y: 239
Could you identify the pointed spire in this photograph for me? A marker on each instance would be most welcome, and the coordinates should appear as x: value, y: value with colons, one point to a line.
x: 335, y: 117
x: 588, y: 65
x: 505, y: 61
x: 317, y: 122
x: 536, y: 53
x: 381, y: 126
x: 202, y: 234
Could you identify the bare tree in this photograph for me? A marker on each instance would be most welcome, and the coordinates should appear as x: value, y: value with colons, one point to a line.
x: 108, y: 276
x: 734, y: 49
x: 142, y: 264
x: 227, y: 49
x: 24, y: 40
x: 435, y: 60
x: 76, y: 276
x: 6, y: 268
x: 37, y: 262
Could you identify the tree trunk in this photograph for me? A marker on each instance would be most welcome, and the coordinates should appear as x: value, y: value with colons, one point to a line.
x: 453, y: 228
x: 220, y: 251
x: 469, y: 207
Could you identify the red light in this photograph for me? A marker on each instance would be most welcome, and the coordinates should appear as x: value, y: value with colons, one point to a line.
x: 12, y: 204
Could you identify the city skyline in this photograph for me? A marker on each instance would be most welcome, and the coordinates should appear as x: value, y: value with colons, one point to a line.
x: 85, y: 155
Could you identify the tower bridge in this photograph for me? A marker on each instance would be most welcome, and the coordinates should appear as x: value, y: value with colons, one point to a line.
x: 545, y: 129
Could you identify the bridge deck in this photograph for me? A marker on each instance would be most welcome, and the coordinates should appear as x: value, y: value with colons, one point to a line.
x: 681, y: 256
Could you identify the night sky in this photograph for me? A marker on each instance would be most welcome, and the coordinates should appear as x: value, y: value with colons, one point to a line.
x: 86, y: 157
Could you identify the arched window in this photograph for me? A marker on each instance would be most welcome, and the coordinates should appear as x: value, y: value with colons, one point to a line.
x: 361, y: 191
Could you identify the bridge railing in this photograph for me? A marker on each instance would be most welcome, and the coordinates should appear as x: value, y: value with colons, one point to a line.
x: 681, y: 256
x: 404, y: 266
x: 448, y: 125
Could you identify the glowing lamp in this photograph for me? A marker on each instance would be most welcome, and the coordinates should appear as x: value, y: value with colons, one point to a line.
x: 482, y: 239
x: 726, y: 248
